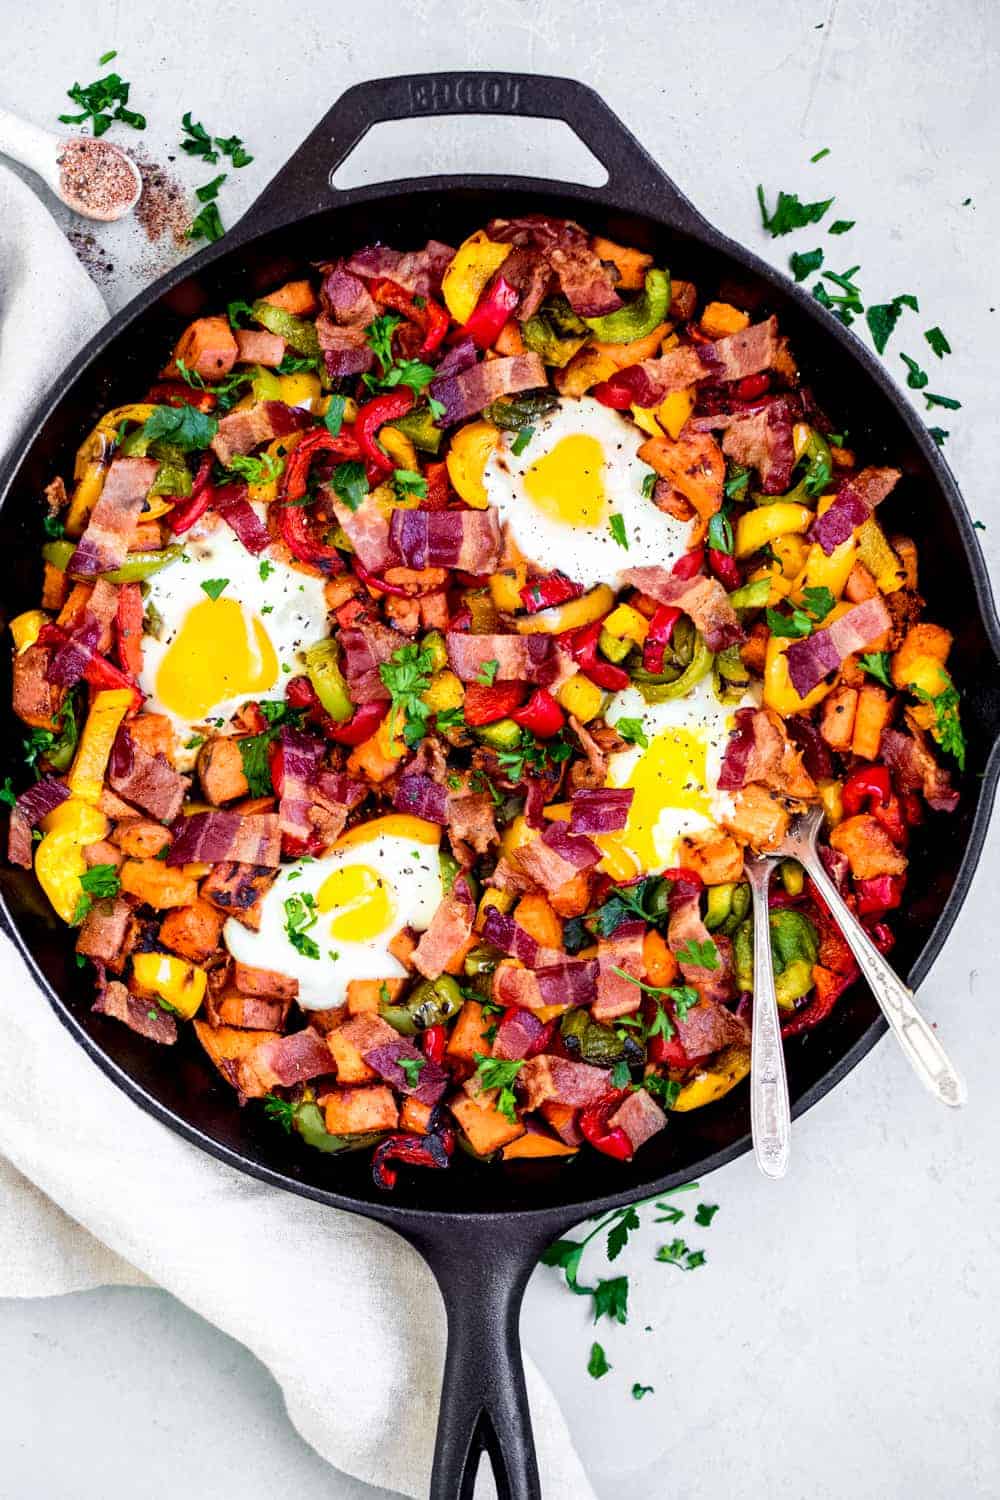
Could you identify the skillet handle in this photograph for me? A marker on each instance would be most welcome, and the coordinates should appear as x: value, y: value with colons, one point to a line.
x: 482, y: 1269
x: 304, y: 184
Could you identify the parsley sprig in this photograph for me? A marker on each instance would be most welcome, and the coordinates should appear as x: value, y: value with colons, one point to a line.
x: 102, y: 102
x: 499, y: 1073
x: 407, y: 675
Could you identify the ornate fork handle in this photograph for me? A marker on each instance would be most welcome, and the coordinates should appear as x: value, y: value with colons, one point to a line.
x: 917, y: 1038
x: 770, y: 1116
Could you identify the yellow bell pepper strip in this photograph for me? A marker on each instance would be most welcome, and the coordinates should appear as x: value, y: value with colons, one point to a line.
x: 300, y: 333
x: 136, y: 568
x: 59, y: 860
x: 178, y: 984
x: 581, y: 697
x: 880, y: 557
x: 24, y: 628
x: 467, y: 458
x: 638, y: 317
x: 628, y: 624
x: 108, y: 708
x: 93, y: 460
x: 755, y: 528
x: 471, y: 267
x: 570, y: 616
x: 323, y: 670
x: 726, y: 1070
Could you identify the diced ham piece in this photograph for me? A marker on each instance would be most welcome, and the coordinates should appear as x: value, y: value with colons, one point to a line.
x: 450, y: 930
x: 367, y: 530
x: 703, y: 599
x: 586, y: 282
x: 104, y: 930
x: 291, y: 1059
x: 686, y: 927
x: 257, y: 347
x: 301, y: 756
x: 640, y: 1117
x: 709, y: 1026
x: 142, y: 1016
x: 601, y: 810
x: 518, y: 1032
x: 569, y: 982
x: 471, y: 824
x: 104, y: 544
x: 549, y: 1077
x: 503, y: 932
x: 555, y: 856
x: 622, y: 951
x: 760, y: 750
x: 754, y: 349
x: 147, y: 781
x: 29, y: 809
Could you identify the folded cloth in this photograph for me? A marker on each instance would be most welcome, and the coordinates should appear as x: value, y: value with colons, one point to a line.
x: 118, y: 1198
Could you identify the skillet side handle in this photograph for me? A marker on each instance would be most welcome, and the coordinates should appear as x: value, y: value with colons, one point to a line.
x: 304, y: 184
x: 482, y: 1269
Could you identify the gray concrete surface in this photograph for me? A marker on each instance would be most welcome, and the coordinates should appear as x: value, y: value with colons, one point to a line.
x: 843, y: 1336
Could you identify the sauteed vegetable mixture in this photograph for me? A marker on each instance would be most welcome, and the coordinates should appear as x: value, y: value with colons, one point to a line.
x: 414, y: 664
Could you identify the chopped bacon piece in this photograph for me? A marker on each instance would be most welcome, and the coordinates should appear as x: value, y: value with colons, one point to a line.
x: 242, y: 431
x: 703, y: 599
x: 519, y: 658
x: 143, y: 1016
x: 622, y: 951
x: 450, y: 930
x: 466, y: 539
x: 148, y: 781
x: 640, y: 1117
x: 246, y: 839
x: 548, y: 1077
x: 104, y: 544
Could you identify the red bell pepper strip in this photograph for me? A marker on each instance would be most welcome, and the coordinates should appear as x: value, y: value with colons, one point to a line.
x: 582, y: 646
x: 296, y: 532
x: 610, y: 1140
x: 491, y: 312
x: 878, y: 894
x: 541, y: 715
x: 438, y: 488
x: 752, y: 386
x: 429, y: 316
x: 725, y: 568
x: 543, y: 593
x: 461, y: 619
x: 614, y: 393
x: 670, y: 1053
x: 689, y: 564
x: 128, y: 628
x: 187, y: 512
x: 99, y: 672
x: 882, y: 936
x: 372, y: 581
x: 432, y: 1150
x: 661, y: 628
x: 367, y: 717
x: 299, y: 461
x: 891, y: 818
x: 433, y: 1042
x: 487, y: 705
x: 683, y: 875
x: 869, y: 786
x: 176, y: 393
x: 373, y: 415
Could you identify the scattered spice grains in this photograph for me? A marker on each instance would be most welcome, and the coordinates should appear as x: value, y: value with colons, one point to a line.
x: 96, y: 178
x: 163, y: 208
x: 91, y: 255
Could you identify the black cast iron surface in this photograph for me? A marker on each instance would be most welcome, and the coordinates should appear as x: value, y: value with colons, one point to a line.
x: 481, y: 1229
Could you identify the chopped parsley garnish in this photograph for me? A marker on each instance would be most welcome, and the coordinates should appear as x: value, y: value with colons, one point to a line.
x: 939, y: 434
x: 700, y: 955
x: 207, y: 225
x: 841, y: 226
x: 664, y: 1089
x: 282, y: 1110
x: 638, y: 1391
x: 102, y: 102
x: 947, y: 722
x: 408, y: 482
x: 916, y: 378
x: 412, y: 372
x: 611, y: 1300
x: 450, y: 718
x: 948, y: 402
x: 883, y: 317
x: 819, y: 155
x: 620, y: 1075
x: 265, y: 570
x: 210, y: 190
x: 649, y: 484
x: 805, y: 262
x: 411, y: 1068
x: 213, y: 587
x: 789, y: 213
x: 632, y: 732
x: 184, y: 426
x: 300, y: 916
x: 522, y: 440
x: 487, y: 674
x: 597, y: 1364
x: 616, y: 525
x: 533, y: 757
x: 53, y: 527
x: 333, y: 417
x: 199, y: 143
x: 498, y: 1073
x: 705, y: 1213
x: 407, y: 675
x: 937, y: 341
x: 226, y: 392
x: 7, y: 793
x: 294, y: 364
x: 876, y: 664
x: 263, y: 470
x: 236, y: 312
x: 350, y: 483
x: 678, y: 1254
x: 256, y: 763
x: 96, y: 884
x: 816, y: 605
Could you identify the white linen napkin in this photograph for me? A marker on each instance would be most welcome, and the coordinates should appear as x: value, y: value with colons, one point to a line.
x: 95, y: 1192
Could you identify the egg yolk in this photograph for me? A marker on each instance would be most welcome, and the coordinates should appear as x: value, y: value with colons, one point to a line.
x: 671, y: 774
x: 220, y: 652
x: 360, y: 897
x: 567, y: 484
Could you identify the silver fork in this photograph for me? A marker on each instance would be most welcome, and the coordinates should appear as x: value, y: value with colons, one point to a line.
x: 918, y: 1040
x: 770, y: 1115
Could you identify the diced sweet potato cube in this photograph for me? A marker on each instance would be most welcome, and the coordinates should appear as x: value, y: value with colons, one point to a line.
x: 349, y: 1042
x: 534, y: 1144
x: 294, y: 297
x: 539, y: 921
x: 402, y: 946
x: 154, y: 732
x: 224, y: 1044
x: 158, y: 885
x: 837, y: 724
x: 869, y: 849
x: 220, y: 770
x: 192, y: 931
x: 207, y: 347
x: 484, y: 1127
x: 364, y: 996
x: 356, y: 1111
x: 264, y: 982
x: 758, y: 817
x: 872, y: 716
x: 414, y: 1116
x: 715, y: 856
x: 140, y: 838
x: 55, y: 587
x: 923, y: 640
x: 467, y: 1035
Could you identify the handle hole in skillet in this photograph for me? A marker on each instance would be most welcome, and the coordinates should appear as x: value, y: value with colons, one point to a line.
x: 491, y: 145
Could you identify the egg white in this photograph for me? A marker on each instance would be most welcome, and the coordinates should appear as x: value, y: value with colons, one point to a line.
x: 288, y: 604
x: 708, y: 722
x: 587, y: 554
x: 411, y: 874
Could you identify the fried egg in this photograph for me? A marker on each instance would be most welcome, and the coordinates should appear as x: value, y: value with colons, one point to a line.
x: 327, y: 921
x: 227, y: 626
x: 577, y: 483
x: 675, y: 777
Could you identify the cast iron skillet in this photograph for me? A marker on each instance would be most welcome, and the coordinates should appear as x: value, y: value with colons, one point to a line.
x: 481, y: 1229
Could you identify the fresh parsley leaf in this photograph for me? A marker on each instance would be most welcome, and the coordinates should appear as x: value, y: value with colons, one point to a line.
x: 620, y: 1075
x: 101, y: 881
x: 53, y: 527
x: 333, y: 417
x: 841, y: 226
x: 294, y: 364
x: 883, y: 317
x: 257, y: 470
x: 411, y: 1068
x: 265, y: 570
x: 648, y: 484
x: 678, y: 1254
x: 702, y: 955
x: 597, y: 1364
x: 199, y: 142
x: 184, y: 426
x: 101, y: 102
x: 804, y: 263
x: 705, y: 1213
x: 948, y: 402
x: 937, y: 341
x: 206, y: 225
x: 849, y: 298
x: 876, y: 664
x: 664, y: 1089
x: 487, y: 674
x: 818, y: 602
x: 626, y: 1222
x: 106, y: 57
x: 408, y: 482
x: 793, y: 627
x: 611, y: 1299
x: 210, y: 190
x: 237, y: 311
x: 7, y: 793
x: 632, y: 732
x: 436, y: 408
x: 522, y: 440
x: 824, y: 151
x: 282, y: 1110
x: 407, y: 675
x: 498, y: 1073
x: 616, y: 525
x: 566, y: 1254
x: 638, y: 1391
x: 947, y: 722
x: 789, y: 213
x: 834, y: 305
x: 533, y: 757
x: 300, y: 916
x: 917, y: 378
x: 350, y: 483
x: 232, y: 147
x: 213, y: 587
x: 720, y: 533
x: 379, y: 335
x: 939, y: 434
x: 254, y: 754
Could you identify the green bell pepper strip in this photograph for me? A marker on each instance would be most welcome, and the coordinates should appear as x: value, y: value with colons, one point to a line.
x: 596, y: 1044
x: 521, y: 411
x: 541, y: 338
x: 816, y: 476
x: 638, y: 317
x: 732, y: 680
x: 419, y: 427
x: 298, y: 332
x: 60, y: 753
x: 752, y: 595
x: 172, y: 479
x: 265, y: 384
x: 614, y: 647
x: 323, y: 670
x: 719, y: 899
x: 504, y: 734
x: 655, y: 691
x: 431, y: 1002
x: 308, y: 1122
x: 136, y: 568
x: 434, y: 642
x: 794, y: 947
